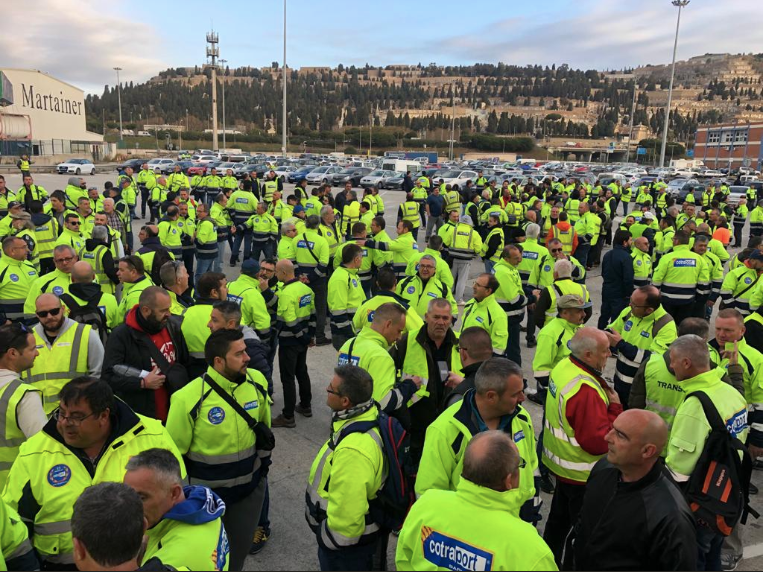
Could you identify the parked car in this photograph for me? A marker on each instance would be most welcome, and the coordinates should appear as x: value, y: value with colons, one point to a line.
x: 352, y: 174
x: 250, y: 170
x: 76, y: 166
x: 693, y: 186
x: 299, y: 174
x: 283, y: 171
x: 204, y: 159
x: 134, y: 164
x: 457, y: 177
x: 321, y: 175
x: 737, y: 192
x: 184, y: 165
x: 377, y: 178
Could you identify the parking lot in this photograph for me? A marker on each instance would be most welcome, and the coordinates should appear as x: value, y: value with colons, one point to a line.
x: 292, y: 546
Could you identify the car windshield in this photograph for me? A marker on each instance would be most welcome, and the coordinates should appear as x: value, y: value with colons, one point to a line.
x: 449, y: 174
x: 320, y: 170
x: 376, y: 174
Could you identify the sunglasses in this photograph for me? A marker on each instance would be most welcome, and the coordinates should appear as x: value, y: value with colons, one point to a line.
x: 332, y: 392
x: 44, y: 313
x: 557, y: 250
x: 75, y: 222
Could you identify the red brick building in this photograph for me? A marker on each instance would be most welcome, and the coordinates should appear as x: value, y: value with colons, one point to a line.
x: 730, y: 146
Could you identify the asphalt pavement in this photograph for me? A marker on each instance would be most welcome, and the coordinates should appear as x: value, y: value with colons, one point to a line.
x: 292, y: 545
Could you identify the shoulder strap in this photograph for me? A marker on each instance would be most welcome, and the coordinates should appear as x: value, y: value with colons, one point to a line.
x: 228, y: 398
x: 357, y: 427
x: 749, y: 287
x: 157, y: 356
x: 310, y: 248
x: 661, y: 323
x: 711, y: 412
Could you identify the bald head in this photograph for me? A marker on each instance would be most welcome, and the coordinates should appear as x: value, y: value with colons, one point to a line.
x: 285, y: 270
x: 47, y: 301
x: 591, y: 346
x: 82, y: 273
x: 491, y: 460
x: 635, y: 442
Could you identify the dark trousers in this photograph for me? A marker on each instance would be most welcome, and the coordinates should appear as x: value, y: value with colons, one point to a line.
x: 240, y: 520
x: 565, y: 508
x: 188, y: 257
x: 623, y: 391
x: 709, y: 544
x: 582, y: 254
x: 594, y: 257
x: 320, y: 289
x: 246, y: 238
x: 610, y: 309
x: 515, y: 333
x: 530, y: 334
x: 265, y: 512
x: 292, y: 362
x: 259, y: 248
x: 738, y: 235
x: 367, y: 557
x: 144, y: 194
x: 679, y: 311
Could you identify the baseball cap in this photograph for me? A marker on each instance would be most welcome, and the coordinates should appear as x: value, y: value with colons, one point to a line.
x: 250, y: 267
x: 648, y: 215
x: 572, y: 301
x: 756, y: 255
x: 299, y: 209
x: 13, y: 204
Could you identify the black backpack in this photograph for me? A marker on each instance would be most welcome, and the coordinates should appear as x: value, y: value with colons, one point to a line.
x: 89, y: 314
x: 161, y: 257
x: 718, y: 489
x: 396, y: 496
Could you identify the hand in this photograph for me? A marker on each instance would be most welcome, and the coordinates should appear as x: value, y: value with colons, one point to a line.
x: 710, y: 303
x: 304, y: 279
x: 536, y: 293
x: 419, y: 381
x: 233, y: 229
x: 154, y: 380
x: 755, y: 452
x: 453, y: 380
x: 613, y: 337
x: 731, y: 355
x: 612, y: 395
x: 264, y: 283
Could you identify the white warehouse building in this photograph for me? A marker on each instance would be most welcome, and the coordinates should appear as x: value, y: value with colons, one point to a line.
x: 42, y: 115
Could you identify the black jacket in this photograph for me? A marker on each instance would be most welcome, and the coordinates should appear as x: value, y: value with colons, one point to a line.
x: 617, y: 273
x: 645, y: 525
x: 125, y: 347
x: 470, y: 372
x: 754, y: 334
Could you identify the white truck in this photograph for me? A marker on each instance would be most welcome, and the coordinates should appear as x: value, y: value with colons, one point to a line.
x: 401, y: 165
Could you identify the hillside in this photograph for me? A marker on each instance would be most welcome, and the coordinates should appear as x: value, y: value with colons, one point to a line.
x: 419, y: 100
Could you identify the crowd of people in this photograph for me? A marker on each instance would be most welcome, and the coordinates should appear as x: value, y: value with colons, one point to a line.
x: 136, y: 381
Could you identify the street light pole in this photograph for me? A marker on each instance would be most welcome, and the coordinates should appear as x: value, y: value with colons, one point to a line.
x: 283, y: 77
x: 119, y: 99
x: 223, y: 62
x: 630, y: 130
x: 680, y: 4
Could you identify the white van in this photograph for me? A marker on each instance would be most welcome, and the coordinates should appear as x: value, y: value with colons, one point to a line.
x: 401, y: 165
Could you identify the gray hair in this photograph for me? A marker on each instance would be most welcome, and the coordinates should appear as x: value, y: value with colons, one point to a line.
x: 488, y: 464
x: 429, y: 257
x: 582, y: 343
x: 493, y: 375
x: 287, y: 226
x: 61, y: 248
x: 160, y: 461
x: 312, y: 222
x: 100, y: 233
x: 439, y: 303
x: 326, y: 209
x: 109, y: 200
x: 673, y: 211
x: 563, y: 268
x: 532, y: 231
x: 701, y: 238
x: 486, y: 195
x: 692, y: 347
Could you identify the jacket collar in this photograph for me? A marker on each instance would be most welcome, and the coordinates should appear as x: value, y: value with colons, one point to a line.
x: 475, y: 495
x: 702, y: 381
x: 374, y: 336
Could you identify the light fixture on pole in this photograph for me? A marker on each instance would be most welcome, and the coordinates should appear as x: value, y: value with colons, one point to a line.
x: 119, y: 99
x: 223, y: 62
x: 213, y: 52
x: 283, y: 78
x: 680, y: 4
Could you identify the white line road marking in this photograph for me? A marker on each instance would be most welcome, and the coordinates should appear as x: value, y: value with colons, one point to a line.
x: 753, y: 551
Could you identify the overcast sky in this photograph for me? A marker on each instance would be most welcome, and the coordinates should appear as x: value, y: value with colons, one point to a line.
x: 80, y: 41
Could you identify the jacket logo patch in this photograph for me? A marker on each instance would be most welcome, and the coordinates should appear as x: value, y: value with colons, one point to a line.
x: 645, y: 334
x: 411, y: 289
x: 251, y: 405
x: 684, y: 263
x: 447, y: 552
x: 305, y: 300
x: 518, y: 436
x: 737, y: 423
x: 216, y: 415
x: 14, y: 277
x: 371, y: 316
x: 747, y: 280
x: 628, y: 325
x: 530, y: 255
x: 57, y: 290
x: 346, y: 359
x: 547, y: 268
x: 236, y: 299
x: 59, y: 475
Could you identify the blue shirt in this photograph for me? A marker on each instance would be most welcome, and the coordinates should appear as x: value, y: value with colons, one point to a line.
x: 436, y: 204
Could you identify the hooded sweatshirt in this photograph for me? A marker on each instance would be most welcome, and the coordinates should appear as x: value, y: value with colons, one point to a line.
x: 191, y: 534
x: 163, y: 342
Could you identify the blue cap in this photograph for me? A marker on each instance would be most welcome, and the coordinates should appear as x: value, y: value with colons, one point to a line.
x: 250, y: 267
x: 299, y: 209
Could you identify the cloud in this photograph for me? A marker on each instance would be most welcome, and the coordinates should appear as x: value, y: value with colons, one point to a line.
x: 81, y: 41
x: 604, y: 35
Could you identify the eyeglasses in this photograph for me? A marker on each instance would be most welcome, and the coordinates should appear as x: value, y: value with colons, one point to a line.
x: 63, y: 260
x: 44, y: 313
x: 557, y: 250
x: 332, y: 392
x: 71, y: 420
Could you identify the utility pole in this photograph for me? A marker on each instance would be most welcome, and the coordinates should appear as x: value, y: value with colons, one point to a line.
x: 213, y: 52
x: 119, y: 99
x: 283, y: 77
x: 223, y: 62
x: 630, y: 130
x: 680, y: 4
x: 370, y: 133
